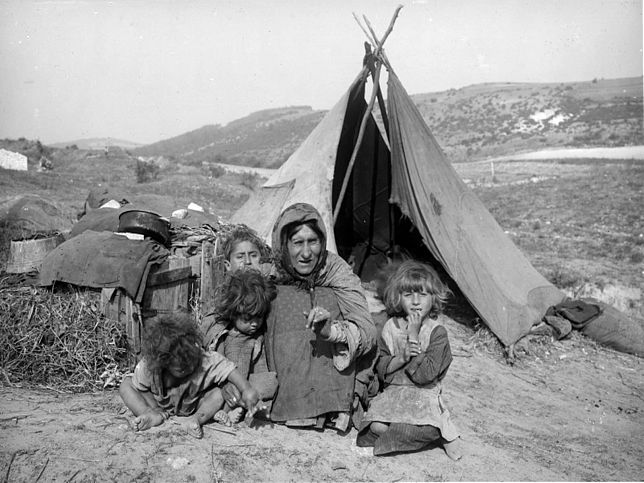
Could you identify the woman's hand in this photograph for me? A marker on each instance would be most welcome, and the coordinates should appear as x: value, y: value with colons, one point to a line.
x: 317, y: 319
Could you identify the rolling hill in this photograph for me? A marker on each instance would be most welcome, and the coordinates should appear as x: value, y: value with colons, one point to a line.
x: 470, y: 123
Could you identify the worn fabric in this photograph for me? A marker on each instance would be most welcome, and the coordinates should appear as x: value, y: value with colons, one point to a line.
x: 425, y: 369
x: 100, y: 219
x: 615, y: 329
x: 577, y: 312
x: 507, y: 292
x: 413, y: 393
x: 399, y: 437
x: 246, y: 351
x: 103, y: 259
x: 183, y: 400
x: 309, y: 383
x: 333, y: 272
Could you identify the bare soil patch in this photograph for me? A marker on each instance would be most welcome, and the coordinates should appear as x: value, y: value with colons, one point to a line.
x: 566, y: 411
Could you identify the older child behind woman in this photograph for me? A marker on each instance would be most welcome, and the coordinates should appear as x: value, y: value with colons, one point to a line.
x: 414, y: 357
x: 176, y: 377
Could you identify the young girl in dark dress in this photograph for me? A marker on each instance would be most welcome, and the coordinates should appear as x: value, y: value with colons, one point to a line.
x: 414, y: 357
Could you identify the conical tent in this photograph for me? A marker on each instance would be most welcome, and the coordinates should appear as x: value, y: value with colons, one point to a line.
x: 402, y: 191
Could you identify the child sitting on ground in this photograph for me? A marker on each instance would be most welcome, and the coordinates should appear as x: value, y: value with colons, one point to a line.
x: 414, y: 357
x: 176, y: 377
x: 242, y: 307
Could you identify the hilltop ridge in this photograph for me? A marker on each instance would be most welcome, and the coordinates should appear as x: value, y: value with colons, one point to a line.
x: 470, y: 123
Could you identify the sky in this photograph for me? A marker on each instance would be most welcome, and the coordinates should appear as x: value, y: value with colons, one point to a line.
x: 148, y: 70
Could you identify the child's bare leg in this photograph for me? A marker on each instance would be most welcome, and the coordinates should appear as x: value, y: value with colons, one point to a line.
x: 142, y: 404
x: 149, y: 419
x: 453, y: 449
x: 235, y: 415
x: 210, y: 403
x: 221, y: 416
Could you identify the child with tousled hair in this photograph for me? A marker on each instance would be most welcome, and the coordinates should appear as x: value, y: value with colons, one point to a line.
x: 243, y: 304
x: 414, y: 356
x: 176, y: 377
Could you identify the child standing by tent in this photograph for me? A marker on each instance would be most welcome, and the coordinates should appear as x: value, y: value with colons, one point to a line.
x: 176, y: 377
x: 414, y: 357
x: 242, y: 307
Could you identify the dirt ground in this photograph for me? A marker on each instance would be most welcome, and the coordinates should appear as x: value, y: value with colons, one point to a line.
x: 565, y: 410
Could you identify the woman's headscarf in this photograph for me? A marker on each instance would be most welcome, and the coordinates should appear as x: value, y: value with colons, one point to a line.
x: 297, y: 215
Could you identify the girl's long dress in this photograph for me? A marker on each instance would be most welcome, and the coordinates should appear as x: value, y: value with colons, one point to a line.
x: 410, y: 395
x: 309, y: 384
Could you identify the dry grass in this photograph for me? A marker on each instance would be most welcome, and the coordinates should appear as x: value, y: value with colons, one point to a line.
x: 58, y: 338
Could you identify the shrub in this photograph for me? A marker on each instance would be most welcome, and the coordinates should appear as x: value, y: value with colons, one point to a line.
x: 214, y: 170
x: 637, y: 257
x: 562, y: 279
x: 146, y: 171
x: 249, y: 180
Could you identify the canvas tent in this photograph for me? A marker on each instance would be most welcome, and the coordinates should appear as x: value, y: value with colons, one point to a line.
x: 403, y: 191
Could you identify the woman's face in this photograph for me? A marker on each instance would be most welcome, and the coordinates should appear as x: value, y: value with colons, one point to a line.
x: 304, y: 248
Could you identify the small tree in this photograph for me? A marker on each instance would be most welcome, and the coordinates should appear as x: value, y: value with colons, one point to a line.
x: 249, y: 180
x: 146, y: 171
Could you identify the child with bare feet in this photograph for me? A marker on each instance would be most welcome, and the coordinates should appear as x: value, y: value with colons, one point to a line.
x: 243, y: 304
x: 176, y: 377
x: 409, y: 413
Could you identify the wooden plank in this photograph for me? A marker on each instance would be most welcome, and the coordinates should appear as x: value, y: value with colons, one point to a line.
x: 168, y: 276
x: 174, y: 295
x: 119, y: 306
x: 207, y: 283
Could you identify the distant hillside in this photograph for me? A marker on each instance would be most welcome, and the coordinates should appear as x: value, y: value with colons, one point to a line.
x: 495, y: 119
x: 470, y: 123
x: 98, y: 143
x: 262, y: 139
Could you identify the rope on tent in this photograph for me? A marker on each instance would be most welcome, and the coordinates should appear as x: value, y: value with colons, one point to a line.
x: 363, y: 123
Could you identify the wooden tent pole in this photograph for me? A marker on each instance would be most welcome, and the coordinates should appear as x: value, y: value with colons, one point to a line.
x: 356, y: 147
x: 365, y: 117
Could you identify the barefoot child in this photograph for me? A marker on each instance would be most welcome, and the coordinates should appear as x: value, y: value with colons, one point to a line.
x: 176, y: 377
x: 414, y: 357
x: 242, y: 307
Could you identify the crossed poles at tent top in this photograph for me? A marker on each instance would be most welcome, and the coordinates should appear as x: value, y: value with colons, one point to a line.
x: 378, y: 58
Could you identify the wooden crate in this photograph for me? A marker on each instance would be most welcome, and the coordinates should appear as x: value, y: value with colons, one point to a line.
x: 169, y: 287
x: 119, y: 306
x: 212, y: 274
